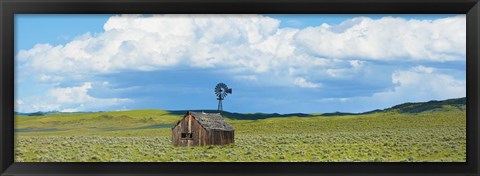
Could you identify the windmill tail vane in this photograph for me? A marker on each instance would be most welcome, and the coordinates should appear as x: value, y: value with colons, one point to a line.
x: 221, y: 90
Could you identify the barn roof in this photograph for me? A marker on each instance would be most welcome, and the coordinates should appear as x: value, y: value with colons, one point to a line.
x: 212, y: 121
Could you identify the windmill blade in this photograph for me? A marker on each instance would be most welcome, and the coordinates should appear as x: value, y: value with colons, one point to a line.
x: 218, y: 90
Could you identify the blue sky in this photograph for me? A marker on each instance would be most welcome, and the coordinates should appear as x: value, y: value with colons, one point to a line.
x: 274, y: 63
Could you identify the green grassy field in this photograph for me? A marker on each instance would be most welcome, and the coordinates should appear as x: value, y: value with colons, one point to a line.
x: 145, y: 136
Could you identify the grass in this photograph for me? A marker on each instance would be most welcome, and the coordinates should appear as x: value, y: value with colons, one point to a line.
x: 145, y: 136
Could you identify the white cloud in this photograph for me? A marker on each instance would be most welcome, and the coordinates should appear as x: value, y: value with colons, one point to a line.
x: 356, y: 64
x: 246, y: 43
x: 72, y: 94
x: 335, y: 72
x: 19, y: 102
x: 295, y: 23
x: 50, y: 78
x: 68, y: 99
x: 388, y: 38
x: 416, y: 85
x: 302, y: 82
x: 247, y: 77
x: 422, y: 69
x: 424, y: 83
x: 248, y: 46
x: 70, y: 110
x: 330, y: 100
x: 40, y: 106
x: 347, y: 71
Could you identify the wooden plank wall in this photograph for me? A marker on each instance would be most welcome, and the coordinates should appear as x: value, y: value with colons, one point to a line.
x: 219, y: 137
x: 188, y: 125
x: 201, y: 137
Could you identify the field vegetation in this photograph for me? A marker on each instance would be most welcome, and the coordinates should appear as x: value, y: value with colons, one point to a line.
x: 436, y: 135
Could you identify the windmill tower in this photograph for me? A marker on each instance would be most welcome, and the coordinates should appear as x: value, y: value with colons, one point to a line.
x: 221, y: 90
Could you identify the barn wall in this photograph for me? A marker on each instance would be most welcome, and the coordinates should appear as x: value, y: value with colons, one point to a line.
x: 201, y: 136
x: 176, y: 132
x: 198, y: 133
x: 219, y: 137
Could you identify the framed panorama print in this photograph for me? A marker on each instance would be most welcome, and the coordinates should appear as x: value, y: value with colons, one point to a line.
x: 239, y: 87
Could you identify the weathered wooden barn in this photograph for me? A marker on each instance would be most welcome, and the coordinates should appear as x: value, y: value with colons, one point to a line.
x: 200, y: 129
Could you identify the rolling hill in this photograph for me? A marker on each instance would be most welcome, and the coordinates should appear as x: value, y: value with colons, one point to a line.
x: 456, y: 104
x: 152, y: 119
x: 417, y: 107
x: 445, y: 105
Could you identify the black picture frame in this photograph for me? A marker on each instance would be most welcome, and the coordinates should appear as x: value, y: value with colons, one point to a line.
x: 8, y: 8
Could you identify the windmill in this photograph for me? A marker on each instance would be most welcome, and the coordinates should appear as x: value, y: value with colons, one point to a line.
x: 221, y: 90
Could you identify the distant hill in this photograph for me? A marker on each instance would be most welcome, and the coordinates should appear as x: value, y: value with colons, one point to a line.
x: 115, y: 121
x: 243, y: 116
x: 445, y: 105
x: 419, y: 107
x: 40, y: 113
x: 348, y: 113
